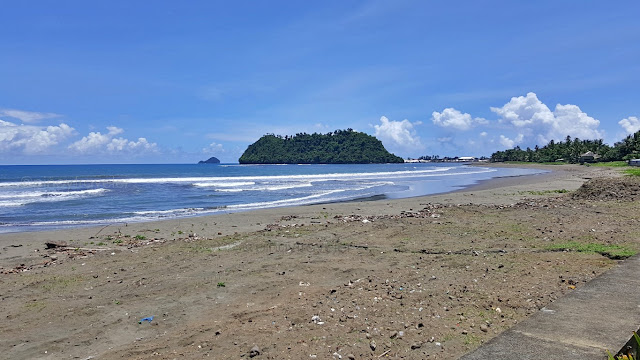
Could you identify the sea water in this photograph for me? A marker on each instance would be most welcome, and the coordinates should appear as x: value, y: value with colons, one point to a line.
x: 57, y: 196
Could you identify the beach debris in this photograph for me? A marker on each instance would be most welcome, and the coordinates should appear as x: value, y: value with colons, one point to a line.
x: 55, y: 244
x: 372, y: 345
x: 416, y: 346
x: 316, y: 319
x: 255, y: 351
x: 148, y: 319
x: 351, y: 357
x: 384, y: 353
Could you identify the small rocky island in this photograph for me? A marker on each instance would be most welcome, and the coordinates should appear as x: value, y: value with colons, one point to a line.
x: 338, y: 147
x: 211, y: 160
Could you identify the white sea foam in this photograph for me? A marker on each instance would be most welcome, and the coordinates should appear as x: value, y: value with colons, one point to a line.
x: 19, y: 199
x: 202, y: 180
x: 185, y: 211
x: 224, y: 184
x: 274, y: 187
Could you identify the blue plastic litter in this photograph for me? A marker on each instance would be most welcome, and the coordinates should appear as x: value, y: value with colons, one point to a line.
x: 149, y: 319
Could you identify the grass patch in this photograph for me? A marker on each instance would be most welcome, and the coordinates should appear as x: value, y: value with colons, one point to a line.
x: 611, y: 164
x: 536, y: 163
x: 61, y: 282
x: 472, y: 340
x: 140, y: 237
x: 615, y: 252
x: 35, y: 305
x: 632, y: 172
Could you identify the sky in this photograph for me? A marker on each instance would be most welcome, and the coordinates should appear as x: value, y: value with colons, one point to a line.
x: 180, y: 81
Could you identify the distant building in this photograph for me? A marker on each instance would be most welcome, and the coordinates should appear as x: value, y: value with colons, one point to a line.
x: 634, y: 162
x: 589, y: 157
x: 466, y: 158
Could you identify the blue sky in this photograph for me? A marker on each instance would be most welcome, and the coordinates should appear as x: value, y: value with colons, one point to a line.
x: 175, y: 82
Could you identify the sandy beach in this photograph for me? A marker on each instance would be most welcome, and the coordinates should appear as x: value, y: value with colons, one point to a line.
x: 427, y: 277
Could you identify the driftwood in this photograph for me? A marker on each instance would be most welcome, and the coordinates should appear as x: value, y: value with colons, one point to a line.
x: 63, y: 246
x: 55, y: 244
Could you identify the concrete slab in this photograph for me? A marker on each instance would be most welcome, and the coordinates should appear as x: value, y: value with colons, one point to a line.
x: 599, y: 316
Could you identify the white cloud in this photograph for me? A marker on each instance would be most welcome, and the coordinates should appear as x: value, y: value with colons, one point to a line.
x: 400, y: 134
x: 509, y: 143
x: 630, y: 124
x: 524, y: 111
x: 453, y: 118
x: 27, y: 116
x: 213, y: 148
x: 96, y: 143
x: 533, y: 118
x: 321, y: 127
x: 29, y: 139
x: 570, y: 120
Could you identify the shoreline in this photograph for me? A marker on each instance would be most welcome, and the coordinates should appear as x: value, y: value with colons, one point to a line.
x: 481, y: 185
x: 501, y: 190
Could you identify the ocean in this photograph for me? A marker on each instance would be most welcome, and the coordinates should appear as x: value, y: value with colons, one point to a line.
x: 45, y: 197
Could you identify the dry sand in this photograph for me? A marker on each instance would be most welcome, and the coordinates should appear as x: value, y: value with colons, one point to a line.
x: 427, y: 277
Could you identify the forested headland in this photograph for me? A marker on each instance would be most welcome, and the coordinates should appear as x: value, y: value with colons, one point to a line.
x: 337, y: 147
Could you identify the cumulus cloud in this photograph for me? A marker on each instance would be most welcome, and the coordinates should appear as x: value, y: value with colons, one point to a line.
x: 630, y: 124
x: 213, y: 148
x: 531, y: 117
x: 97, y: 143
x: 453, y: 118
x: 27, y: 116
x: 29, y: 139
x: 400, y: 134
x: 509, y: 143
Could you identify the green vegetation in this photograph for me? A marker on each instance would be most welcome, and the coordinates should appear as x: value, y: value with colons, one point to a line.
x: 140, y: 237
x: 61, y: 282
x: 611, y: 251
x: 35, y: 305
x: 611, y: 164
x: 569, y: 151
x: 338, y: 147
x: 633, y: 172
x: 543, y: 163
x: 221, y: 284
x: 628, y: 356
